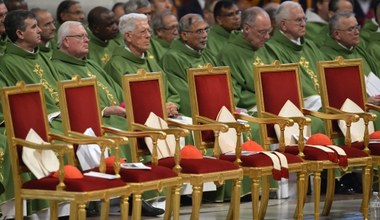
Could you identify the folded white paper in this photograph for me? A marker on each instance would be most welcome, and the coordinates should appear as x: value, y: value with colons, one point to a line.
x: 101, y: 175
x: 227, y: 140
x: 372, y: 84
x: 138, y: 166
x: 313, y: 102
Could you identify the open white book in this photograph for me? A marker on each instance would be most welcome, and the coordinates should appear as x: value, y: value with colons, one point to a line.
x: 101, y: 175
x: 138, y: 166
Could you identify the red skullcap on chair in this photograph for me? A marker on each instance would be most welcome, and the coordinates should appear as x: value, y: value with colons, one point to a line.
x: 71, y: 172
x: 375, y: 135
x: 319, y: 139
x: 111, y: 160
x: 190, y: 152
x: 251, y: 146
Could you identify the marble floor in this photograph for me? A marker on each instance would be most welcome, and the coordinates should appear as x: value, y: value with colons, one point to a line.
x: 344, y: 207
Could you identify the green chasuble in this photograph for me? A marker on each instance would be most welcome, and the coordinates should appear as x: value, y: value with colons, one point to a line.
x: 3, y: 43
x: 18, y: 64
x: 158, y: 47
x: 306, y: 55
x: 331, y: 49
x: 239, y: 55
x: 100, y: 51
x: 123, y: 62
x: 109, y: 92
x: 175, y: 63
x: 370, y: 26
x: 217, y: 38
x: 373, y: 48
x: 316, y: 27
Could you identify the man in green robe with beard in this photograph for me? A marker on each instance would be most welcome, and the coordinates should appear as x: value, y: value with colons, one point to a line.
x: 187, y: 52
x: 133, y: 56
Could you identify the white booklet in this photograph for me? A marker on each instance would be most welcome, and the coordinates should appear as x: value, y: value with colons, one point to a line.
x: 243, y: 153
x: 101, y: 175
x: 139, y: 166
x: 372, y: 84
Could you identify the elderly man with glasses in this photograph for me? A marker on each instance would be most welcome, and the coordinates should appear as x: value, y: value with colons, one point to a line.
x: 165, y: 30
x: 187, y: 52
x: 344, y: 41
x: 227, y: 19
x: 288, y: 45
x: 134, y: 56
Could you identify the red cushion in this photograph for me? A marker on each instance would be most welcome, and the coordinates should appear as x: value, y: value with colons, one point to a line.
x: 353, y: 152
x: 198, y: 166
x: 251, y: 146
x: 312, y: 153
x: 319, y: 139
x: 71, y: 172
x: 85, y: 184
x: 139, y: 175
x: 190, y: 152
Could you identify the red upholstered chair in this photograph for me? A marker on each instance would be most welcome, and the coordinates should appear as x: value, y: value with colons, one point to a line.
x: 204, y: 84
x: 334, y: 93
x: 24, y: 109
x: 144, y: 94
x: 80, y: 110
x: 274, y: 85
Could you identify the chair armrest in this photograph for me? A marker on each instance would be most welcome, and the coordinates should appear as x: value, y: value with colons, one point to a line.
x: 219, y: 127
x: 372, y: 107
x: 124, y: 135
x: 333, y: 114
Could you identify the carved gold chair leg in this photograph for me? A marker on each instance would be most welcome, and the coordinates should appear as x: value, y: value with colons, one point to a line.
x: 317, y: 193
x: 81, y: 211
x: 330, y: 191
x: 234, y: 210
x: 176, y: 201
x: 301, y: 182
x: 124, y: 207
x: 197, y: 199
x: 255, y: 198
x: 366, y: 190
x: 264, y: 197
x: 105, y: 209
x: 169, y: 203
x: 53, y: 204
x: 136, y: 207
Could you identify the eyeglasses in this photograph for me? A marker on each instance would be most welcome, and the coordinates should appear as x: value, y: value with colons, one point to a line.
x: 79, y: 36
x: 145, y: 32
x: 3, y: 15
x: 351, y: 29
x: 200, y: 31
x: 231, y: 14
x: 298, y: 21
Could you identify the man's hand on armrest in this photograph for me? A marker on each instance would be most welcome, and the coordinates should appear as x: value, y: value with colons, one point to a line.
x: 172, y: 109
x: 114, y: 110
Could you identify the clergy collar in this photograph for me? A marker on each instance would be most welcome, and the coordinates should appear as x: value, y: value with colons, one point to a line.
x: 298, y: 41
x: 127, y: 48
x: 31, y: 52
x: 198, y: 51
x: 349, y: 49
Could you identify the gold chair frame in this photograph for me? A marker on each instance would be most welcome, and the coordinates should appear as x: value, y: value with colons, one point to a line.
x: 255, y: 173
x: 122, y: 137
x: 77, y: 200
x: 314, y: 166
x: 181, y: 130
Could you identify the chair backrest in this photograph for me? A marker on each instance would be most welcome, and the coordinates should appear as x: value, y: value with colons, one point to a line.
x: 210, y: 89
x: 341, y: 79
x: 274, y: 85
x: 79, y: 105
x: 24, y: 109
x: 144, y: 93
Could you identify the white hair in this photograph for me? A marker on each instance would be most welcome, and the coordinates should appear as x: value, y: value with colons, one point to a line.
x: 128, y: 22
x: 64, y: 30
x: 283, y: 12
